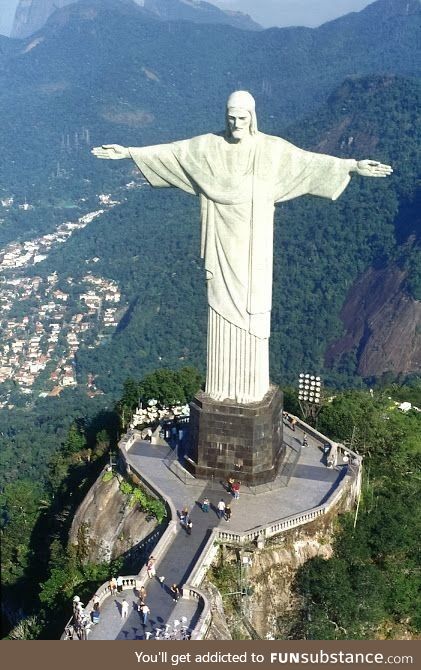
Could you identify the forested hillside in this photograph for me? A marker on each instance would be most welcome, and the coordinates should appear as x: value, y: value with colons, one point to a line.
x: 349, y: 88
x: 370, y: 588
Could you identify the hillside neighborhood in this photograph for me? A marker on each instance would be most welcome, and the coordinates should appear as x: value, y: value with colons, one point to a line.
x: 43, y: 326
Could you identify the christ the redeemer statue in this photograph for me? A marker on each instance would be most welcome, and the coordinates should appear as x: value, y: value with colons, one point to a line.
x: 239, y: 175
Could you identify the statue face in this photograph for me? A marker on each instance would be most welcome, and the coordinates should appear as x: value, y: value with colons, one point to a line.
x: 239, y: 122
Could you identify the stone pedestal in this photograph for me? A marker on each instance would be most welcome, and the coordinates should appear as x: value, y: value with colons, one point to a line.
x: 232, y: 440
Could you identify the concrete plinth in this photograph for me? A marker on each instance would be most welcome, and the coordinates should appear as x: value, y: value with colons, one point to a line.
x: 232, y: 440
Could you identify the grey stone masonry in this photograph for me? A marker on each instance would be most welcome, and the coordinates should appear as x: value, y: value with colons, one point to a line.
x: 228, y: 439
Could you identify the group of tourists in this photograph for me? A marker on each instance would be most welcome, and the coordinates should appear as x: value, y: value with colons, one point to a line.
x: 115, y: 585
x: 80, y: 623
x: 233, y: 487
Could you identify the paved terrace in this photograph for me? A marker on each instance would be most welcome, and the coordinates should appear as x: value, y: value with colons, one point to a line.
x: 309, y: 484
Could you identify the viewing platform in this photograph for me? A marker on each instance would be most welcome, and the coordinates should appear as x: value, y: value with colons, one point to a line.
x: 305, y: 489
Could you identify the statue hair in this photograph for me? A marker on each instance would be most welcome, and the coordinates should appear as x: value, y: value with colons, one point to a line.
x: 242, y: 100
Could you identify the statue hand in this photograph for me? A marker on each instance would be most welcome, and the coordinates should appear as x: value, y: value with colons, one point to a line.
x: 369, y: 168
x: 111, y: 152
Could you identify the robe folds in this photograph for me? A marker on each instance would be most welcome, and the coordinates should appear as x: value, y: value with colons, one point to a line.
x: 238, y: 185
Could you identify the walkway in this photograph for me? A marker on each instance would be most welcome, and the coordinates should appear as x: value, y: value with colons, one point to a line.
x: 310, y: 483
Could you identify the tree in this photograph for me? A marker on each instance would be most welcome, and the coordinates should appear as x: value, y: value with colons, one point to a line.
x: 20, y: 509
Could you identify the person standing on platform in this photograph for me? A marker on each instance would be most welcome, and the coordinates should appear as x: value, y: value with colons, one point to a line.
x: 221, y: 508
x: 205, y: 505
x: 150, y: 567
x: 124, y: 609
x: 175, y: 592
x: 145, y: 611
x: 95, y: 614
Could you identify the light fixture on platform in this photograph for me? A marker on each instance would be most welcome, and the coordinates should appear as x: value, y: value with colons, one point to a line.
x: 310, y: 394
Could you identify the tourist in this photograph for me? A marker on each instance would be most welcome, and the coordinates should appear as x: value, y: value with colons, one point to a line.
x: 119, y: 584
x: 293, y: 421
x: 227, y: 512
x: 124, y: 609
x: 78, y: 610
x: 161, y: 581
x: 305, y: 440
x: 145, y: 611
x: 236, y: 490
x: 189, y: 526
x: 221, y: 508
x: 150, y: 567
x: 76, y: 601
x: 205, y: 505
x: 175, y: 592
x: 142, y: 593
x: 112, y: 585
x: 95, y: 614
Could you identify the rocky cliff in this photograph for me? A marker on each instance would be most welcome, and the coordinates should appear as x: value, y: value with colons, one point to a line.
x: 31, y: 15
x: 107, y: 525
x: 382, y: 325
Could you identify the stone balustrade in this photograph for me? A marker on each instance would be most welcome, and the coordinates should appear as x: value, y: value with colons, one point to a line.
x: 205, y: 618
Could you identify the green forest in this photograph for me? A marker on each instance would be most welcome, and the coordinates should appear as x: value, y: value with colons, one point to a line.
x: 134, y: 81
x: 370, y: 588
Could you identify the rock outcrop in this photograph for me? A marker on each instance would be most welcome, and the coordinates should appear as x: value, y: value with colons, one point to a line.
x: 31, y: 15
x: 382, y: 325
x: 107, y: 525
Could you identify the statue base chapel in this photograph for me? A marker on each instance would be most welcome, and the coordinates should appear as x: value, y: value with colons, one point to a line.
x: 228, y: 439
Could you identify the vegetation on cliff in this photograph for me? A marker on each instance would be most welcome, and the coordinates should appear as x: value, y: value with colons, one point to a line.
x: 370, y: 588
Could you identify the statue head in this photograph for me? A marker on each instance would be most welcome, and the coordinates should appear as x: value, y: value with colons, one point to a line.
x: 241, y: 118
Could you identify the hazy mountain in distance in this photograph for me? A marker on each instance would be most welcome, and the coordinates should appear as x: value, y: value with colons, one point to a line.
x: 198, y: 12
x: 113, y: 72
x: 116, y: 68
x: 31, y: 15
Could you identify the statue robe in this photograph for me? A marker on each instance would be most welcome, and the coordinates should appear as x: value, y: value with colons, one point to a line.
x: 238, y: 185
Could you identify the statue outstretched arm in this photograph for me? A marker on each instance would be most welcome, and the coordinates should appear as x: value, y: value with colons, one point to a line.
x: 369, y: 168
x: 111, y: 152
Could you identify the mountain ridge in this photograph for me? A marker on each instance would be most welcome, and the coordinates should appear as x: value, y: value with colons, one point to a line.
x: 32, y: 15
x: 135, y: 81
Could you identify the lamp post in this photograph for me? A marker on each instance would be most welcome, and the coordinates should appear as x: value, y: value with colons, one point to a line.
x: 310, y: 395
